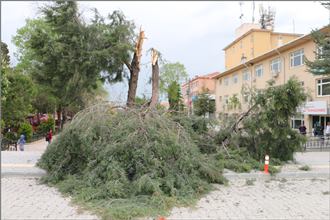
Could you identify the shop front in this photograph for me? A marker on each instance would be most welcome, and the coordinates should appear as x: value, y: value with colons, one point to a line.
x: 314, y: 114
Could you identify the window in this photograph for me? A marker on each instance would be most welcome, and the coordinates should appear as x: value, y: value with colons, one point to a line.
x: 220, y: 81
x: 296, y: 121
x: 297, y: 58
x: 226, y: 99
x: 323, y: 87
x: 275, y: 65
x: 226, y: 81
x: 235, y: 79
x: 259, y: 70
x: 246, y: 75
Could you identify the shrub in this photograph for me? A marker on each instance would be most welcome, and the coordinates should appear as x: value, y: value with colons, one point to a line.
x: 127, y: 155
x: 45, y: 126
x: 26, y: 129
x: 305, y: 168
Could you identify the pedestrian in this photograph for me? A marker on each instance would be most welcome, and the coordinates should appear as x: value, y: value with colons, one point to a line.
x: 49, y: 136
x: 302, y: 129
x: 20, y: 143
x: 327, y: 130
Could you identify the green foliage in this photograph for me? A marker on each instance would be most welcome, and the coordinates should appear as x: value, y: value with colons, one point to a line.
x: 5, y: 60
x: 45, y: 126
x: 17, y: 105
x: 305, y: 168
x: 203, y: 104
x: 26, y: 129
x: 321, y: 64
x: 141, y: 101
x: 175, y: 97
x: 68, y: 57
x: 233, y: 102
x: 260, y: 134
x: 170, y: 73
x: 128, y: 157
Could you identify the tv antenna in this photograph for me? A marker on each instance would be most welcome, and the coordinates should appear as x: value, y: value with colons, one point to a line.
x: 241, y: 16
x: 253, y: 8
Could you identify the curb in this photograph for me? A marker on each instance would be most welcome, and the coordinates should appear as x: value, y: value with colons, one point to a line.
x: 289, y: 175
x: 21, y: 172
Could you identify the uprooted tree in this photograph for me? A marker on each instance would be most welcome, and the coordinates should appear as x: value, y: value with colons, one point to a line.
x: 264, y: 128
x: 154, y: 77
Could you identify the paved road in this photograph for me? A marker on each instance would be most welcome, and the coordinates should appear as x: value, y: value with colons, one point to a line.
x: 273, y: 199
x: 24, y: 198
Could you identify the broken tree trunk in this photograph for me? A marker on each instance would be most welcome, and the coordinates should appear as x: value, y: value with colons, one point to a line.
x: 155, y: 78
x: 134, y: 69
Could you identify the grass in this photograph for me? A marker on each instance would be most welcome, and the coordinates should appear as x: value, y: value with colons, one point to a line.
x: 305, y: 168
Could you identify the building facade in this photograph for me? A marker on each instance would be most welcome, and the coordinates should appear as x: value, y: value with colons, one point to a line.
x: 197, y: 85
x: 278, y: 63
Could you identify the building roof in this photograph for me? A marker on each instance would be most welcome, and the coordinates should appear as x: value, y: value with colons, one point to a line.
x: 272, y: 52
x: 258, y: 30
x: 207, y: 76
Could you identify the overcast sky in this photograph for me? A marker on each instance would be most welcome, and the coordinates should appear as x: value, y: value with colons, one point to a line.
x: 192, y: 33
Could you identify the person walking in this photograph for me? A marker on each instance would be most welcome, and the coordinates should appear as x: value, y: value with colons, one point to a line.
x: 327, y: 130
x: 20, y: 143
x: 302, y: 129
x: 49, y: 136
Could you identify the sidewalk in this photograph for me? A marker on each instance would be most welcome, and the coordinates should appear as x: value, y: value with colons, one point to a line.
x: 23, y: 197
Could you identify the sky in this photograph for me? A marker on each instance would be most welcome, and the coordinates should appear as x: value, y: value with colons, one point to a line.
x: 192, y: 33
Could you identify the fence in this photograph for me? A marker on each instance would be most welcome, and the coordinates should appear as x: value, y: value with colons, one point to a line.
x: 317, y: 143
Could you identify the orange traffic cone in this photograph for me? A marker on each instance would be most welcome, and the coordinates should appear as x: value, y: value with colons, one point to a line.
x: 266, y: 164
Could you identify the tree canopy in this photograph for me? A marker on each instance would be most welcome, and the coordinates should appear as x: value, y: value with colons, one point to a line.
x: 169, y: 73
x: 321, y: 64
x: 204, y: 104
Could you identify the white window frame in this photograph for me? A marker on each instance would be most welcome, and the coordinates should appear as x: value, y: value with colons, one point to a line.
x: 319, y: 87
x: 226, y: 81
x: 226, y: 99
x: 235, y: 78
x: 246, y: 75
x: 293, y: 56
x: 259, y: 68
x: 276, y: 61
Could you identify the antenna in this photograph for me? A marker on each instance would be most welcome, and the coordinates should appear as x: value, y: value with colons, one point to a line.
x: 293, y: 26
x: 267, y: 17
x: 253, y: 8
x: 241, y: 16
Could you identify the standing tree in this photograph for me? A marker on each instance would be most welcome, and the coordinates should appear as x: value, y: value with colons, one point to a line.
x: 155, y: 78
x: 175, y: 97
x: 203, y: 104
x: 70, y: 57
x: 321, y: 64
x: 5, y: 60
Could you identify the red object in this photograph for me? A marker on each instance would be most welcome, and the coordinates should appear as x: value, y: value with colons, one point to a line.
x: 50, y: 135
x: 266, y: 168
x: 161, y: 218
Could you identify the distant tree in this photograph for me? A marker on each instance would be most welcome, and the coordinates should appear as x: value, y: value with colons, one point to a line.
x: 174, y: 97
x: 171, y: 72
x: 70, y: 57
x: 234, y: 103
x: 17, y: 105
x: 5, y: 60
x: 321, y: 64
x: 203, y: 104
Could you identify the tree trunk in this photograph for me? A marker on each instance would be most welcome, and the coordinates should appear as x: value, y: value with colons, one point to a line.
x: 155, y: 79
x: 59, y: 118
x: 134, y: 69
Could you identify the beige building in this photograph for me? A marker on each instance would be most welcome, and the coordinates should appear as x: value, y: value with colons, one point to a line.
x: 197, y: 85
x: 277, y: 61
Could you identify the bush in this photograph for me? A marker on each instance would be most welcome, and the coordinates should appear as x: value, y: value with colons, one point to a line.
x: 26, y: 129
x: 106, y: 154
x: 45, y: 126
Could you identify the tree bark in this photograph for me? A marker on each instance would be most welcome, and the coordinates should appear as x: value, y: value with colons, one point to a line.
x: 134, y: 69
x: 155, y: 79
